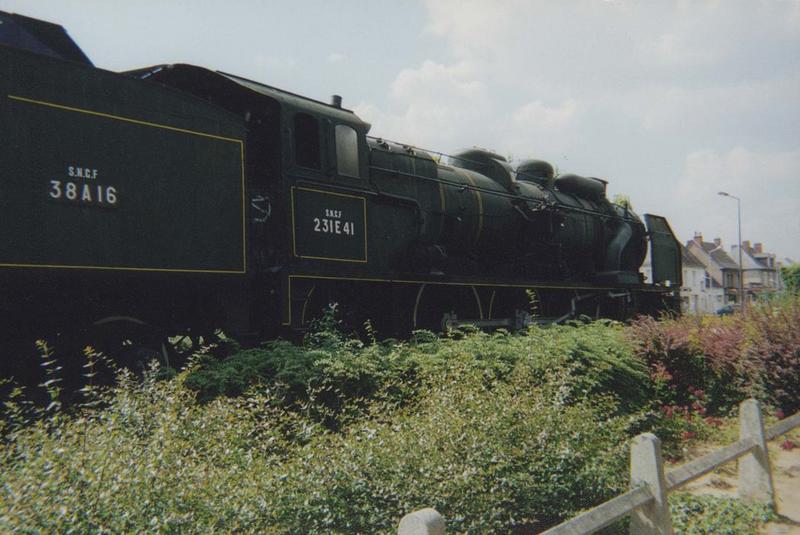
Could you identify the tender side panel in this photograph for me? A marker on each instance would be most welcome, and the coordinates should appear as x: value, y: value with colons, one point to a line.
x: 100, y: 171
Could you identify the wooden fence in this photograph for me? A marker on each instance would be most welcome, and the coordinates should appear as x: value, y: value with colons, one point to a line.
x: 646, y: 502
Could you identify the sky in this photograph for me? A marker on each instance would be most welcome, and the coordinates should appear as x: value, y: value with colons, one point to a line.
x: 670, y: 101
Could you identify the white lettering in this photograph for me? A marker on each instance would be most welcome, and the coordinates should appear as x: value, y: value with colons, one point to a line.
x: 82, y: 193
x: 55, y: 191
x: 326, y: 225
x: 74, y: 171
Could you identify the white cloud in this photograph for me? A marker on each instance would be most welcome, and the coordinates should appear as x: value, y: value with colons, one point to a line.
x: 433, y: 102
x: 336, y: 57
x: 627, y: 91
x: 536, y: 114
x: 674, y: 50
x: 436, y: 82
x: 767, y: 184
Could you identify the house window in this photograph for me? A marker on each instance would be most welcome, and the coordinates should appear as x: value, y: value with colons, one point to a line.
x: 306, y: 141
x: 346, y: 151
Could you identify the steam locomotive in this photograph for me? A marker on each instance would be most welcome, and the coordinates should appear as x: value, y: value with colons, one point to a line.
x: 176, y: 199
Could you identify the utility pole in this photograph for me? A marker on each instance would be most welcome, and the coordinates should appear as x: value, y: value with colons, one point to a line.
x: 739, y: 223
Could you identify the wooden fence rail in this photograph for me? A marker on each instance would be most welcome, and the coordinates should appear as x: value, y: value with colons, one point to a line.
x: 646, y: 502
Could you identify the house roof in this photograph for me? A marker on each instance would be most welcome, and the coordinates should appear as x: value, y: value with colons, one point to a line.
x: 689, y: 260
x: 718, y: 255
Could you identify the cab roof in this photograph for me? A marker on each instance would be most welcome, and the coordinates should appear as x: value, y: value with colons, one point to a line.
x: 209, y: 78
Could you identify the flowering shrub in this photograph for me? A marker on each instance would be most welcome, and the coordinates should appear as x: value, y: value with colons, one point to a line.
x: 775, y: 344
x: 728, y: 359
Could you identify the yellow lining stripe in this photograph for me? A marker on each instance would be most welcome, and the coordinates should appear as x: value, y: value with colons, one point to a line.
x: 480, y: 201
x: 477, y: 300
x: 164, y: 127
x: 121, y: 118
x: 443, y: 218
x: 294, y: 234
x: 305, y: 304
x: 125, y: 268
x: 244, y: 210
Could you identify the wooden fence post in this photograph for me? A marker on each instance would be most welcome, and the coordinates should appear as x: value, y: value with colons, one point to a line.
x: 423, y: 522
x: 755, y: 476
x: 647, y: 468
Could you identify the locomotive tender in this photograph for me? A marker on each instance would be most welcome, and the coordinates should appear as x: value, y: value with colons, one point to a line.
x: 184, y: 200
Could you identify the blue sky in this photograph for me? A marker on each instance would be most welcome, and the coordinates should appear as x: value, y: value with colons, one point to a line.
x: 670, y: 101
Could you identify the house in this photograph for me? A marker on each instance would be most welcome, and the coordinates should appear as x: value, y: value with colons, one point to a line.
x: 720, y: 267
x: 760, y: 270
x: 700, y: 292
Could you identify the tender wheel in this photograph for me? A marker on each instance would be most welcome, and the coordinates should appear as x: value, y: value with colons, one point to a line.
x: 131, y: 343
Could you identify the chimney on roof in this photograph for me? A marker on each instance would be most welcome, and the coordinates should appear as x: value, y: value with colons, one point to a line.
x: 746, y: 246
x: 757, y: 248
x: 718, y: 242
x: 698, y: 238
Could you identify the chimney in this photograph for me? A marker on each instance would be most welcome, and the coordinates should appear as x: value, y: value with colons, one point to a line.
x: 757, y: 247
x: 698, y: 238
x: 746, y: 246
x: 718, y: 242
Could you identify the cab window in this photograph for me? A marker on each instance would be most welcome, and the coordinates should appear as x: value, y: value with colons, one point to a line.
x: 306, y: 141
x: 346, y: 151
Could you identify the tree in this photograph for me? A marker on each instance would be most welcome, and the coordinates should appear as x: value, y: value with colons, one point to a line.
x: 791, y: 277
x: 623, y: 200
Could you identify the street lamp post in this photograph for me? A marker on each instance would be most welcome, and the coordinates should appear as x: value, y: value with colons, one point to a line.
x: 739, y: 222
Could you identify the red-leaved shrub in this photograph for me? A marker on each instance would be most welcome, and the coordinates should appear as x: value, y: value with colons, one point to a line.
x: 756, y: 354
x: 775, y: 343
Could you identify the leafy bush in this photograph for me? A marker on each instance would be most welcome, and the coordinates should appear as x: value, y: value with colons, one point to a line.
x: 598, y: 355
x: 775, y: 344
x: 712, y: 515
x: 499, y: 432
x: 489, y: 457
x: 694, y: 353
x: 726, y: 359
x: 496, y: 431
x: 791, y: 277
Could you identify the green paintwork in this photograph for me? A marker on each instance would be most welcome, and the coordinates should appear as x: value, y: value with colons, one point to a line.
x: 101, y: 171
x: 665, y: 251
x: 329, y: 225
